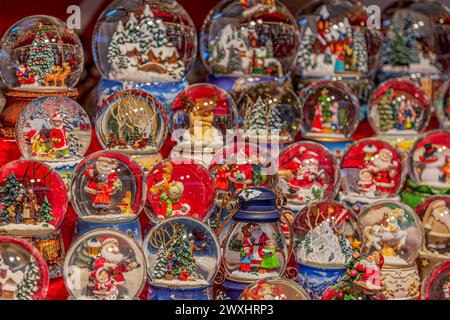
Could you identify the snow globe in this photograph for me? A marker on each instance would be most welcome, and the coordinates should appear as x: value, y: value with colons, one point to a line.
x: 435, y: 214
x: 275, y: 288
x: 371, y: 170
x: 104, y: 265
x: 201, y: 115
x: 255, y: 247
x: 144, y: 44
x: 443, y: 106
x: 179, y: 188
x: 246, y: 42
x: 429, y: 167
x: 325, y: 235
x: 183, y: 258
x: 55, y: 130
x: 23, y: 271
x: 330, y: 115
x: 307, y: 172
x: 337, y: 44
x: 108, y: 191
x: 134, y: 123
x: 361, y: 281
x: 393, y: 229
x: 39, y: 55
x: 270, y: 112
x: 399, y: 110
x: 436, y: 286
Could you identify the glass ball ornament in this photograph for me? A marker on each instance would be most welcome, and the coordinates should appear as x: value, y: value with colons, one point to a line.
x: 275, y: 288
x: 40, y: 53
x: 144, y: 41
x: 269, y: 110
x: 436, y: 286
x: 104, y: 265
x: 336, y: 42
x: 33, y: 199
x: 325, y: 234
x: 398, y: 108
x: 182, y: 252
x: 53, y: 129
x: 23, y: 271
x: 429, y: 159
x: 108, y: 187
x: 435, y: 214
x: 132, y: 122
x: 307, y: 172
x: 394, y: 230
x: 179, y: 188
x: 443, y: 105
x: 330, y: 111
x: 249, y: 38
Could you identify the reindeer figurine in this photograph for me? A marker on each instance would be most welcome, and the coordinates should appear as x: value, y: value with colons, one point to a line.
x: 58, y: 77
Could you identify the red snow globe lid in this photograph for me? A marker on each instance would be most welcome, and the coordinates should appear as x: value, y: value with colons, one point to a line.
x: 436, y: 286
x: 179, y: 187
x: 307, y: 172
x: 429, y: 161
x: 243, y: 165
x: 330, y: 111
x: 33, y: 199
x: 399, y: 107
x: 108, y: 187
x: 326, y: 234
x: 23, y: 271
x: 372, y: 168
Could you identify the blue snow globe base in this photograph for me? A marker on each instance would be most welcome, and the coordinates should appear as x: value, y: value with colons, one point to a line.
x: 131, y: 228
x: 233, y: 289
x: 338, y: 148
x: 315, y: 280
x: 165, y: 293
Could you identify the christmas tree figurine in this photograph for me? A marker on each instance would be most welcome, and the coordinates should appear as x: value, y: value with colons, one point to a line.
x: 256, y: 120
x: 41, y: 60
x: 160, y: 269
x: 29, y: 284
x: 385, y: 113
x: 46, y: 212
x: 11, y: 194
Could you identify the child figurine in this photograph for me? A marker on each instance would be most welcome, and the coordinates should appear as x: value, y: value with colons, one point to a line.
x: 103, y: 284
x: 270, y: 260
x: 246, y: 259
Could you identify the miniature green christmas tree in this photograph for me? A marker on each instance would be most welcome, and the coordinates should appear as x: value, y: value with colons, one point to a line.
x: 385, y: 112
x: 10, y: 194
x: 346, y: 247
x: 325, y: 104
x: 306, y: 50
x: 29, y: 284
x: 185, y: 257
x: 41, y: 60
x: 46, y: 212
x: 160, y: 269
x: 399, y: 54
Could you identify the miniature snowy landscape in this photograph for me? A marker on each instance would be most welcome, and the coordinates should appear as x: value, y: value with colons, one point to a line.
x: 21, y: 283
x: 27, y: 230
x: 107, y: 218
x: 253, y: 275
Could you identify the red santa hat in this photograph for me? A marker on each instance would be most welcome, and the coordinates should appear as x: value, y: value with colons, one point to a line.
x: 56, y: 116
x: 108, y: 241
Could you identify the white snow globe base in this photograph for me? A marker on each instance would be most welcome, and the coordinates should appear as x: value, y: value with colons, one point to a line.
x: 159, y: 292
x: 401, y: 282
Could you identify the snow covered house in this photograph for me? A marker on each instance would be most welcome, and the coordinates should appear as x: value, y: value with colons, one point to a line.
x: 9, y: 282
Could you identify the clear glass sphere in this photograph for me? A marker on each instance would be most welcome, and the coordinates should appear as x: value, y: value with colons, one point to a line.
x: 144, y: 41
x: 179, y: 188
x: 107, y: 187
x: 104, y: 265
x: 182, y: 252
x: 249, y: 38
x: 53, y: 129
x: 436, y: 286
x: 276, y: 288
x: 33, y: 199
x: 429, y: 159
x: 41, y: 53
x: 443, y: 105
x: 132, y: 122
x: 336, y: 41
x: 394, y: 230
x: 23, y: 271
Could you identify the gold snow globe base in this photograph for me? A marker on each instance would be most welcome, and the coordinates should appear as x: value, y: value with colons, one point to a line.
x: 401, y: 282
x: 17, y: 99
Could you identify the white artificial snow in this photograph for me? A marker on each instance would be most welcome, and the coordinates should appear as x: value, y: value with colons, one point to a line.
x: 21, y: 229
x: 118, y: 217
x: 253, y: 275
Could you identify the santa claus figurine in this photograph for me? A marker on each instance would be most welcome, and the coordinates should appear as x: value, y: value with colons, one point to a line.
x: 103, y: 182
x: 370, y: 272
x: 366, y: 184
x: 25, y: 75
x: 436, y: 223
x: 384, y: 169
x: 58, y: 136
x: 258, y: 239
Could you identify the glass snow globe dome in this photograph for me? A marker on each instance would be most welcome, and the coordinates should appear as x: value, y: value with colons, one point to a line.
x: 326, y: 234
x: 336, y: 41
x: 436, y: 286
x: 53, y: 129
x: 394, y: 230
x: 144, y: 41
x: 307, y: 172
x: 410, y: 38
x: 398, y: 108
x: 429, y: 160
x: 179, y: 187
x: 108, y: 187
x: 40, y: 53
x: 269, y: 110
x: 249, y: 38
x: 443, y: 105
x: 104, y: 265
x: 182, y: 252
x: 33, y: 199
x: 275, y: 288
x: 23, y: 271
x: 330, y: 111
